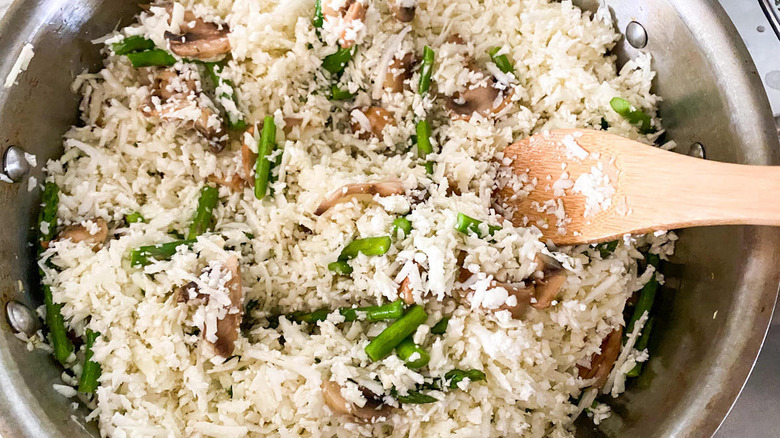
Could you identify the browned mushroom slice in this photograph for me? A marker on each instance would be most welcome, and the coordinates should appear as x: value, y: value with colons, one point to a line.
x: 382, y: 188
x: 486, y: 100
x: 371, y: 121
x: 189, y: 292
x: 402, y: 12
x: 547, y: 288
x: 234, y: 182
x: 522, y: 295
x: 199, y: 39
x: 601, y: 363
x: 405, y: 291
x: 351, y: 12
x: 207, y: 123
x: 93, y: 235
x: 398, y: 73
x: 371, y: 412
x: 228, y: 327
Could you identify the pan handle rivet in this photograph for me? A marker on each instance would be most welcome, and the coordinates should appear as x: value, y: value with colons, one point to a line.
x: 697, y: 151
x: 636, y: 35
x: 20, y: 318
x: 15, y: 165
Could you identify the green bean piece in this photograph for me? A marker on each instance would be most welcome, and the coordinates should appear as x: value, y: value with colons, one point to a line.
x: 646, y: 295
x: 429, y: 167
x: 310, y: 318
x: 393, y: 310
x: 336, y: 62
x: 235, y: 121
x: 424, y: 146
x: 319, y: 19
x: 58, y: 334
x: 381, y: 346
x: 501, y: 61
x: 145, y: 255
x: 441, y: 327
x: 337, y: 93
x: 134, y: 218
x: 633, y: 115
x: 413, y: 398
x: 48, y: 214
x: 340, y: 267
x: 467, y: 225
x: 607, y: 248
x: 426, y: 70
x: 408, y: 349
x: 90, y: 373
x: 135, y: 43
x: 151, y: 58
x: 641, y: 344
x: 456, y: 376
x: 369, y: 246
x: 203, y: 214
x: 263, y: 164
x: 402, y: 224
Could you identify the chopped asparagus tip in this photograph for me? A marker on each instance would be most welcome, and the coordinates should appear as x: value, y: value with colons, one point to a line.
x: 337, y: 93
x: 641, y: 344
x: 135, y: 43
x: 202, y: 220
x: 264, y: 149
x: 402, y: 224
x: 48, y: 214
x: 501, y: 61
x: 646, y: 295
x: 467, y: 225
x: 607, y: 248
x: 456, y: 376
x: 369, y: 246
x: 393, y: 310
x: 151, y: 58
x: 58, y: 334
x: 381, y: 346
x: 310, y: 318
x: 336, y: 62
x: 441, y: 327
x: 411, y: 353
x: 145, y: 255
x: 414, y: 398
x: 426, y: 70
x: 235, y: 120
x: 90, y: 373
x: 633, y: 115
x: 340, y: 267
x: 134, y: 218
x: 319, y: 19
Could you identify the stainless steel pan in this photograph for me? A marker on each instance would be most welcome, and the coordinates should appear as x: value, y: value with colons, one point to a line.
x: 712, y: 96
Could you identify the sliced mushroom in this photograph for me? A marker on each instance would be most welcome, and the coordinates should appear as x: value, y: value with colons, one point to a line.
x: 94, y: 235
x: 371, y: 412
x: 189, y: 292
x: 547, y: 288
x: 228, y: 327
x: 401, y: 12
x: 522, y: 295
x: 371, y: 121
x: 352, y: 11
x: 199, y: 39
x: 486, y: 100
x: 382, y: 188
x: 233, y: 182
x: 601, y: 363
x: 398, y: 73
x: 405, y: 291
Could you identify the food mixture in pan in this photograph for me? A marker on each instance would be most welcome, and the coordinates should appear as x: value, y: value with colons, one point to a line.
x: 277, y: 218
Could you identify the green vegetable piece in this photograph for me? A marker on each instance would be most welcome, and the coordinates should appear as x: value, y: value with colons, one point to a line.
x: 369, y: 246
x: 402, y: 224
x: 319, y: 19
x: 235, y: 121
x: 641, y: 344
x: 145, y: 255
x: 633, y: 115
x: 646, y: 295
x: 501, y: 61
x: 337, y: 93
x: 48, y: 214
x: 414, y: 398
x: 263, y: 164
x: 336, y: 62
x: 441, y: 327
x: 429, y: 167
x: 424, y: 146
x: 310, y: 318
x: 426, y: 70
x: 408, y: 349
x: 340, y: 267
x: 58, y: 334
x: 456, y: 376
x: 151, y: 58
x: 202, y: 220
x: 134, y: 218
x: 90, y: 373
x: 135, y: 43
x: 467, y: 225
x: 393, y: 310
x: 607, y: 248
x: 381, y: 346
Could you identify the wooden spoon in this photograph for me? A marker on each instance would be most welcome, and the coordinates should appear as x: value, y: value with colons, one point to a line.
x: 621, y: 186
